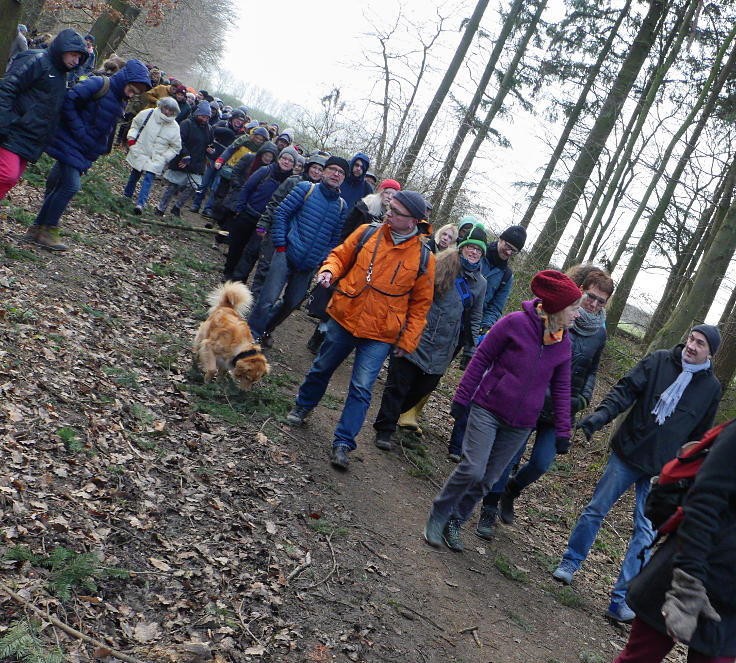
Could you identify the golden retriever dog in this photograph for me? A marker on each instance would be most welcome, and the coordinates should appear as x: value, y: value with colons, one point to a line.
x: 224, y: 341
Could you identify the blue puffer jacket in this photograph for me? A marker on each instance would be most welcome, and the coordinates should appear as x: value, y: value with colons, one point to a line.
x: 497, y: 292
x: 32, y: 93
x: 86, y: 125
x: 354, y: 188
x: 259, y: 187
x: 309, y: 226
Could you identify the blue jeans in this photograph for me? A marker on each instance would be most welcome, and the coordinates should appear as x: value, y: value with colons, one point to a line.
x: 369, y: 357
x: 209, y: 175
x: 146, y: 185
x: 614, y: 482
x: 62, y: 184
x: 269, y: 311
x: 213, y: 189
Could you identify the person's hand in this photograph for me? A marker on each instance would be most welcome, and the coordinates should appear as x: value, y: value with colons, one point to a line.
x: 579, y: 402
x: 261, y: 227
x: 562, y: 445
x: 458, y: 410
x: 131, y: 141
x: 210, y: 150
x: 592, y: 423
x: 324, y: 279
x: 182, y: 164
x: 684, y: 603
x: 218, y: 163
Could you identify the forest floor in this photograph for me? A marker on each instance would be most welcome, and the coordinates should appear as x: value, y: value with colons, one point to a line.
x: 181, y: 522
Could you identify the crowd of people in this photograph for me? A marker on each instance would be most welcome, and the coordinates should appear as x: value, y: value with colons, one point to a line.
x: 320, y: 228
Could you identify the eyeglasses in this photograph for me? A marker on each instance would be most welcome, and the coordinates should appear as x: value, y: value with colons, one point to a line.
x: 394, y: 212
x: 509, y: 248
x: 335, y: 169
x: 596, y: 299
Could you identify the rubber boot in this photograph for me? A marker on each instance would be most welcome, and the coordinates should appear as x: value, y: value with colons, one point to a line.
x: 409, y: 419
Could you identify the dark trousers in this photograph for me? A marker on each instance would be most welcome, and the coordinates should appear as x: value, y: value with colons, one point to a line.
x: 241, y: 228
x: 249, y: 258
x: 406, y: 385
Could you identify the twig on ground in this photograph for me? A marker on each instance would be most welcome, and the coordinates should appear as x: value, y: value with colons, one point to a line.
x: 467, y: 629
x: 476, y: 638
x: 260, y: 430
x: 369, y: 549
x: 66, y: 628
x: 430, y: 479
x: 296, y: 571
x: 238, y: 612
x: 332, y: 570
x: 176, y: 226
x: 419, y: 614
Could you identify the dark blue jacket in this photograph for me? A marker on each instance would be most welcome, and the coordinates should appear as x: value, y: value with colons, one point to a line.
x: 86, y: 124
x: 259, y: 187
x: 31, y: 96
x: 498, y: 288
x: 354, y: 188
x: 308, y: 226
x: 195, y: 137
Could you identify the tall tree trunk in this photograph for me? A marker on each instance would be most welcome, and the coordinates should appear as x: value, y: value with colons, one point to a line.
x: 572, y: 191
x: 10, y: 10
x: 725, y: 359
x: 507, y: 83
x: 469, y: 117
x: 439, y: 96
x: 572, y: 120
x: 711, y: 90
x: 110, y: 29
x: 729, y: 311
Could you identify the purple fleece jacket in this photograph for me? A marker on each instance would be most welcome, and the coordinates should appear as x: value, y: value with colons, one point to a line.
x: 512, y: 368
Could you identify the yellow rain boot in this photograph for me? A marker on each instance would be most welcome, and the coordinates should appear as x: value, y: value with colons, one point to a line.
x: 409, y: 420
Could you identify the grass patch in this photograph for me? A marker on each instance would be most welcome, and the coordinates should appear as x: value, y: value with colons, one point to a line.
x: 14, y: 253
x: 97, y: 315
x: 592, y: 657
x: 420, y: 464
x: 519, y: 621
x: 127, y: 379
x: 70, y: 438
x: 325, y: 527
x: 21, y: 642
x: 21, y: 316
x: 564, y: 595
x: 195, y: 265
x: 510, y: 570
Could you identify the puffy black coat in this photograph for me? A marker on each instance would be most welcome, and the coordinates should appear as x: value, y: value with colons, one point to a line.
x: 195, y: 137
x: 642, y: 443
x: 223, y: 135
x: 32, y: 94
x: 705, y: 547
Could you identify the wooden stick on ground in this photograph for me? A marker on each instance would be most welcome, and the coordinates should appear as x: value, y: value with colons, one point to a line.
x: 193, y: 229
x: 65, y: 627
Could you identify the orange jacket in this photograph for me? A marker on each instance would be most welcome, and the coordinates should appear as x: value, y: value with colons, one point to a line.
x: 393, y: 306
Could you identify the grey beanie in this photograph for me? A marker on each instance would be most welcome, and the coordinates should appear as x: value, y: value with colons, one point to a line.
x: 414, y: 203
x: 291, y: 152
x: 712, y: 335
x: 203, y: 108
x: 515, y: 235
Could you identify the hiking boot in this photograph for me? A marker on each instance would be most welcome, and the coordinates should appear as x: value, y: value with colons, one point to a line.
x: 158, y: 212
x: 455, y: 458
x: 296, y: 416
x: 31, y: 234
x: 194, y: 210
x: 175, y: 211
x: 564, y: 572
x: 619, y: 611
x: 207, y: 213
x: 137, y: 210
x: 433, y: 531
x: 486, y: 523
x: 49, y: 238
x: 339, y: 457
x: 451, y: 535
x: 315, y: 341
x: 383, y: 440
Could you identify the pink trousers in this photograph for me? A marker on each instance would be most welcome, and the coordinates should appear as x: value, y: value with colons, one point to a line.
x: 11, y: 169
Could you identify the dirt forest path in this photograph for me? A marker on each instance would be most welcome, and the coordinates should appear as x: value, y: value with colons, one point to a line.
x: 242, y: 543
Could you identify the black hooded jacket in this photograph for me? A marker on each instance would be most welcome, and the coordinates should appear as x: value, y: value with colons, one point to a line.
x: 32, y: 93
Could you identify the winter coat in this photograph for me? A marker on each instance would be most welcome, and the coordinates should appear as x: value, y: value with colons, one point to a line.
x: 258, y: 189
x: 223, y: 135
x: 32, y: 94
x: 308, y: 223
x: 285, y: 188
x: 156, y: 93
x: 20, y: 44
x: 512, y: 368
x: 500, y: 280
x: 391, y: 307
x: 239, y: 175
x: 157, y: 144
x: 360, y: 215
x: 86, y: 124
x: 185, y: 111
x: 586, y: 356
x: 354, y: 188
x: 239, y: 148
x: 639, y: 441
x: 705, y: 547
x: 445, y: 325
x: 195, y: 137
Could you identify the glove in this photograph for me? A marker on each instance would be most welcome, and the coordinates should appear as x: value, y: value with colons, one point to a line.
x: 562, y: 444
x: 592, y: 423
x: 464, y: 361
x: 685, y: 601
x: 458, y: 410
x: 218, y: 163
x: 131, y: 141
x: 579, y: 402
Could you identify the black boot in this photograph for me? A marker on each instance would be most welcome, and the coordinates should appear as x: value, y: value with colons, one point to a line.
x: 315, y: 341
x: 451, y: 535
x: 175, y: 211
x: 383, y: 440
x: 506, y: 503
x: 486, y: 522
x: 339, y: 458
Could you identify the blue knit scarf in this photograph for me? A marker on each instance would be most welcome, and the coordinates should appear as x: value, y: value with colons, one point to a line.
x: 671, y: 396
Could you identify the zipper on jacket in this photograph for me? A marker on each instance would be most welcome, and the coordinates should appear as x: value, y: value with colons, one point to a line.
x: 396, y: 271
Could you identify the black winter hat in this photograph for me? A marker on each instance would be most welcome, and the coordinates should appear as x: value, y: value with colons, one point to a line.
x: 515, y: 235
x: 712, y: 335
x: 414, y: 203
x: 340, y: 162
x: 476, y: 237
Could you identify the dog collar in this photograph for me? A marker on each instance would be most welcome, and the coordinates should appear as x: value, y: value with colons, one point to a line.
x: 243, y: 355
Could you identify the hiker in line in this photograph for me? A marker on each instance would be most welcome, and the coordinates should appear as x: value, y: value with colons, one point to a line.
x: 90, y: 112
x: 456, y: 310
x: 306, y: 227
x: 588, y: 338
x: 369, y: 209
x: 153, y: 140
x: 443, y: 239
x: 686, y: 591
x: 355, y: 186
x: 503, y: 389
x: 385, y: 282
x: 20, y: 44
x: 184, y: 172
x: 31, y: 96
x: 673, y: 396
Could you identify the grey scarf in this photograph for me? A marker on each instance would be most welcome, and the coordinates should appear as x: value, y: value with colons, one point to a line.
x: 671, y: 396
x: 402, y: 238
x: 587, y: 324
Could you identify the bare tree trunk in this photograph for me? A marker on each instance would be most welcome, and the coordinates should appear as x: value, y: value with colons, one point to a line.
x: 506, y: 84
x: 469, y: 118
x: 110, y: 28
x: 572, y: 120
x: 725, y: 359
x: 426, y: 124
x: 572, y: 191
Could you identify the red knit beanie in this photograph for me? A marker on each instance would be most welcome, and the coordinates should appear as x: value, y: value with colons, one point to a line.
x: 389, y: 184
x: 556, y: 290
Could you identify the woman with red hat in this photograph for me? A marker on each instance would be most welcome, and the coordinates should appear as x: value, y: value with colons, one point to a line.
x: 525, y: 354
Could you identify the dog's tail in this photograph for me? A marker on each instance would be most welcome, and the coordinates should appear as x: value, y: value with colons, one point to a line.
x: 231, y: 294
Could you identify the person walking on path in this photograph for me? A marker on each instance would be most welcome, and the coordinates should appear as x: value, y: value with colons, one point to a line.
x: 20, y: 44
x: 88, y: 119
x: 458, y: 299
x: 503, y: 388
x: 154, y: 140
x: 673, y: 396
x: 385, y: 283
x: 588, y: 337
x: 31, y: 96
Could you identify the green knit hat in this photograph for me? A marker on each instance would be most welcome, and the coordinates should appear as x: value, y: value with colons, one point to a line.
x: 465, y: 220
x: 476, y: 237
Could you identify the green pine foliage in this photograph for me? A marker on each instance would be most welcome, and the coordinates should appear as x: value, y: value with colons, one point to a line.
x: 21, y: 643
